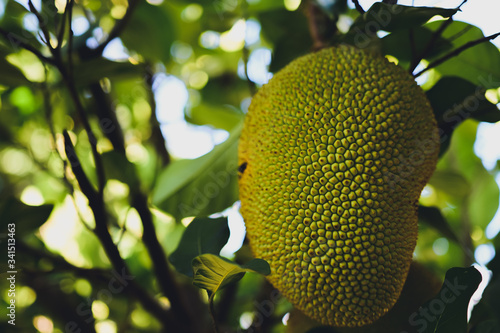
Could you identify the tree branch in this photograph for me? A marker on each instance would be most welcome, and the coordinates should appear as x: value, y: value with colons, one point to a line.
x: 456, y: 52
x: 85, y: 185
x: 358, y: 6
x: 178, y: 318
x: 86, y: 125
x: 164, y: 276
x: 106, y: 114
x: 101, y: 231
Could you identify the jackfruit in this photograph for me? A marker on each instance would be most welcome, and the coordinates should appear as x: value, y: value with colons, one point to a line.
x: 334, y: 153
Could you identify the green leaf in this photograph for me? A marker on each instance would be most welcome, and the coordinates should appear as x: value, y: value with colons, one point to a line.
x: 219, y: 116
x: 202, y: 236
x: 150, y: 32
x: 201, y: 186
x: 479, y: 64
x: 227, y: 81
x: 382, y: 16
x: 450, y: 182
x: 483, y: 199
x: 400, y: 45
x: 26, y: 218
x: 447, y: 312
x: 433, y: 217
x: 460, y: 156
x: 101, y: 68
x: 213, y: 273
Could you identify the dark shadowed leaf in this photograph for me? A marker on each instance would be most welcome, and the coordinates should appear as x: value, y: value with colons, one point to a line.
x: 400, y: 45
x: 150, y: 31
x: 454, y: 100
x: 433, y: 217
x: 213, y: 273
x: 26, y: 218
x: 201, y: 186
x: 449, y: 308
x: 278, y: 26
x: 450, y: 182
x: 489, y: 306
x: 10, y: 75
x: 202, y: 236
x: 488, y: 326
x: 382, y: 16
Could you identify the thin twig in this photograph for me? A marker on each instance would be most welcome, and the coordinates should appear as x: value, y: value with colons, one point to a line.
x: 41, y: 23
x: 456, y: 52
x: 156, y: 138
x: 358, y: 6
x: 62, y: 27
x: 430, y: 44
x: 435, y: 36
x: 17, y: 40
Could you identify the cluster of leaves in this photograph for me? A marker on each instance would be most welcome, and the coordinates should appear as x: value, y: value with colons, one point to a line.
x: 79, y: 132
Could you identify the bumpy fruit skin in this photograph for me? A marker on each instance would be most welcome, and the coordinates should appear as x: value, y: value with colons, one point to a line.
x: 334, y: 153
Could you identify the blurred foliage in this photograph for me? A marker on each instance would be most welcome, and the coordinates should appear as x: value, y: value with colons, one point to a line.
x: 120, y: 76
